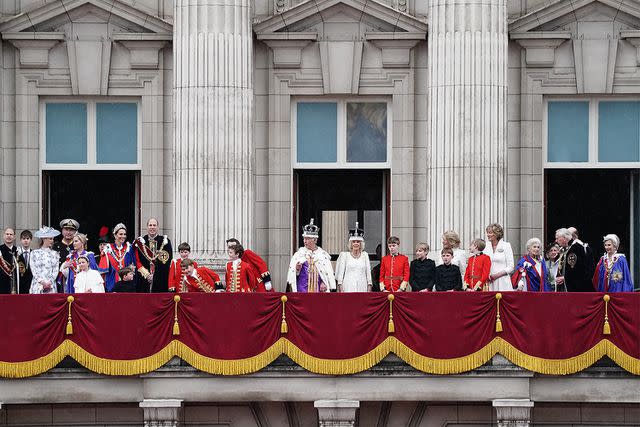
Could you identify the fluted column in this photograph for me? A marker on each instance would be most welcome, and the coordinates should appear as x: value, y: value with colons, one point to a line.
x: 467, y: 89
x: 213, y: 165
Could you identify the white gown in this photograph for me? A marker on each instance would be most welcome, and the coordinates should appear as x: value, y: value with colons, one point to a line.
x: 353, y: 273
x: 501, y: 260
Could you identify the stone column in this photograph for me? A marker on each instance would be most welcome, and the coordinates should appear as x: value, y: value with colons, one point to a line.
x: 336, y: 413
x: 161, y: 412
x: 513, y: 412
x: 213, y: 164
x: 467, y: 95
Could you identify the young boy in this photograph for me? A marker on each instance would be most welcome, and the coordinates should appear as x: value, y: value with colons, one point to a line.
x: 478, y: 268
x: 448, y: 275
x: 175, y: 272
x: 126, y: 283
x: 24, y: 255
x: 422, y: 271
x: 240, y: 276
x: 199, y: 279
x: 394, y: 268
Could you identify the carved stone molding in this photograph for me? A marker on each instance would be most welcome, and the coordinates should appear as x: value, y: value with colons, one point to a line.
x: 161, y: 412
x: 336, y: 413
x: 34, y: 47
x: 396, y: 47
x: 540, y: 46
x: 513, y: 412
x: 143, y: 48
x: 287, y: 47
x: 633, y: 37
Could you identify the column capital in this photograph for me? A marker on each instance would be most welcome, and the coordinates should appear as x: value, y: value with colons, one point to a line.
x: 336, y: 413
x: 513, y: 412
x: 161, y: 412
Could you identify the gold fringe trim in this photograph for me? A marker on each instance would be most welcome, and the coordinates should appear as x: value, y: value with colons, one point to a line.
x: 318, y: 365
x: 337, y: 366
x: 444, y: 366
x: 229, y: 366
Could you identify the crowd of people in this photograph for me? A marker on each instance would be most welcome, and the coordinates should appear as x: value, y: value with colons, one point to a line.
x: 62, y: 263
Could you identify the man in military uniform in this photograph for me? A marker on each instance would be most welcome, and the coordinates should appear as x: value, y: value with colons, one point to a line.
x: 8, y: 258
x: 153, y: 259
x: 574, y: 268
x: 63, y: 246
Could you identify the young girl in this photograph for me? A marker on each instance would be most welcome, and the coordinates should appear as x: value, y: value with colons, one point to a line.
x: 87, y: 280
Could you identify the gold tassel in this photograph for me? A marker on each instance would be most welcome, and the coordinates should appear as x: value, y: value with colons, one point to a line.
x: 606, y: 329
x: 498, y: 321
x: 176, y: 326
x: 283, y: 326
x: 392, y: 328
x: 70, y: 300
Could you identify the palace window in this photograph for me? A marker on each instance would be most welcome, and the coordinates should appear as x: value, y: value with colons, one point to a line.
x: 592, y: 132
x: 341, y: 133
x: 91, y: 134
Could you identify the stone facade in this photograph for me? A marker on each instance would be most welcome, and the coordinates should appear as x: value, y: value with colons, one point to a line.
x: 467, y: 137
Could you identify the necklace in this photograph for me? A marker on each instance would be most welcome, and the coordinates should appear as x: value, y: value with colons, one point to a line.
x: 119, y: 254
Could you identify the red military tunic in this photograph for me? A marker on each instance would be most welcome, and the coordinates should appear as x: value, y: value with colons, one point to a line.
x: 175, y: 274
x: 242, y: 279
x: 477, y: 273
x: 394, y: 273
x: 202, y: 280
x: 260, y: 269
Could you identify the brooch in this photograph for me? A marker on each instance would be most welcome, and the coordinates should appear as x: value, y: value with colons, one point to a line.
x: 616, y: 276
x: 572, y: 259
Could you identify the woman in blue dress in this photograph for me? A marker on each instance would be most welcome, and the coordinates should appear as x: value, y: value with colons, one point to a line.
x: 612, y: 273
x: 531, y: 271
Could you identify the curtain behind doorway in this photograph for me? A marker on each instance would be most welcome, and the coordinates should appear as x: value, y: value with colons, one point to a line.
x: 94, y: 199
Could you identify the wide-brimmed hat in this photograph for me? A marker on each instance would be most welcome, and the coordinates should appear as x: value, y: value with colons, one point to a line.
x: 46, y: 231
x: 70, y: 223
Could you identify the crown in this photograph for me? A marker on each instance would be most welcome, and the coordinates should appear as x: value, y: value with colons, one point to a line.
x: 310, y: 230
x: 356, y: 233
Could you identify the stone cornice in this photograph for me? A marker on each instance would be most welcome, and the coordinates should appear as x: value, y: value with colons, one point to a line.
x: 287, y: 47
x: 396, y: 47
x: 540, y: 46
x: 34, y: 47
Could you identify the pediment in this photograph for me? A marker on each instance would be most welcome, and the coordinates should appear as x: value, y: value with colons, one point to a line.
x: 56, y: 16
x: 563, y: 14
x: 313, y: 16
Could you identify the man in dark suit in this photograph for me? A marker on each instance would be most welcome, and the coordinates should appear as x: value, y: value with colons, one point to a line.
x: 24, y: 256
x: 8, y: 256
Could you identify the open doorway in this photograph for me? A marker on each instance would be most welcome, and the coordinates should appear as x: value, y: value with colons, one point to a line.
x: 336, y: 199
x: 596, y: 202
x: 93, y: 198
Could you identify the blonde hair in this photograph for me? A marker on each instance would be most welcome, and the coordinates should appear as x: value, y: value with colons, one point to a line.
x: 497, y: 230
x: 424, y: 246
x: 82, y: 238
x: 452, y: 238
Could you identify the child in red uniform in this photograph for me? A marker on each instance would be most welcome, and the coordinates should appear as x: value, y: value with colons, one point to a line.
x: 478, y: 268
x: 394, y: 268
x: 199, y: 279
x: 240, y: 275
x: 175, y: 271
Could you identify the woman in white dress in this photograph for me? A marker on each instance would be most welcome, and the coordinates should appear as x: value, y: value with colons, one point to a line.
x: 87, y: 280
x: 451, y: 239
x: 353, y: 270
x: 502, y: 263
x: 44, y: 263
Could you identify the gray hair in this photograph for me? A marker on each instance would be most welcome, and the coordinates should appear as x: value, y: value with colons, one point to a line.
x: 564, y: 232
x: 532, y: 241
x: 614, y: 239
